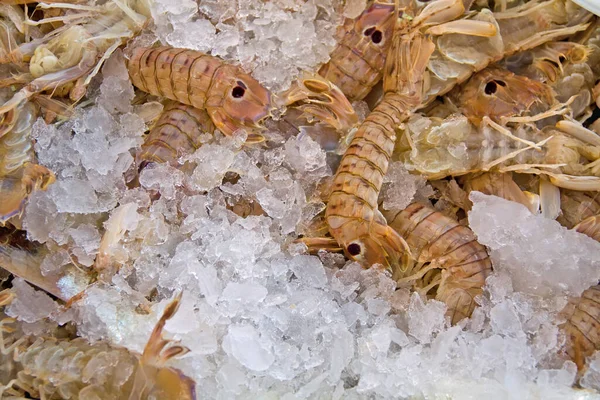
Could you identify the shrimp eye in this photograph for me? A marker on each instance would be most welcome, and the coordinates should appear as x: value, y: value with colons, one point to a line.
x: 562, y: 58
x: 238, y: 92
x: 354, y: 249
x: 369, y: 31
x: 376, y: 37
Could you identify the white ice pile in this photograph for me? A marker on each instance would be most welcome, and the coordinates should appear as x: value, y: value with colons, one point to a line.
x: 542, y: 257
x: 273, y: 39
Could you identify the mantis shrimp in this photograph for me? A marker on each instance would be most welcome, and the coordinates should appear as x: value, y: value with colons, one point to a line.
x: 356, y: 64
x: 66, y: 368
x: 449, y: 264
x: 476, y: 137
x: 352, y: 213
x: 175, y: 133
x: 233, y: 99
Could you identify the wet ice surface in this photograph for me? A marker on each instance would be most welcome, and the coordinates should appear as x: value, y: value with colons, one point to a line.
x: 261, y: 318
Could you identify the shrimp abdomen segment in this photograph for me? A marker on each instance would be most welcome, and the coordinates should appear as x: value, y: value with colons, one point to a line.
x: 177, y: 74
x: 176, y: 133
x: 582, y: 327
x: 361, y: 171
x: 440, y: 243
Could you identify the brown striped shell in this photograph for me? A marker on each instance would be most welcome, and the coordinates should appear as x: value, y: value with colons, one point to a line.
x: 232, y: 98
x: 176, y: 133
x: 442, y: 244
x: 582, y: 327
x: 356, y: 64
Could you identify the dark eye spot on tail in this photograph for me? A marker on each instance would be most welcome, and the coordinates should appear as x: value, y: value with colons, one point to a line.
x: 238, y: 92
x: 354, y: 249
x: 376, y: 37
x: 369, y: 31
x: 143, y: 165
x: 490, y: 88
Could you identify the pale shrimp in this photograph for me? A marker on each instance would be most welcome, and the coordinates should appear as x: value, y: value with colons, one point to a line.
x: 49, y: 366
x: 19, y: 174
x: 461, y: 52
x: 447, y: 264
x: 72, y: 55
x: 495, y: 125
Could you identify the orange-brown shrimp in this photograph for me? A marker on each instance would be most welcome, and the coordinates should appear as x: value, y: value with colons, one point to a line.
x: 356, y: 64
x: 232, y: 98
x: 352, y: 213
x: 352, y: 210
x: 590, y: 227
x: 449, y: 264
x: 501, y: 185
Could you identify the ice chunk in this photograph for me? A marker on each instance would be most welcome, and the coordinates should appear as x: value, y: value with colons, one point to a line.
x: 213, y: 163
x: 305, y: 156
x: 87, y: 242
x: 309, y: 270
x: 248, y: 347
x: 342, y: 352
x: 504, y: 319
x: 30, y: 305
x: 163, y: 177
x: 116, y: 90
x: 244, y: 292
x: 196, y: 35
x: 541, y: 256
x: 75, y: 196
x: 425, y: 319
x: 591, y: 378
x: 400, y: 187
